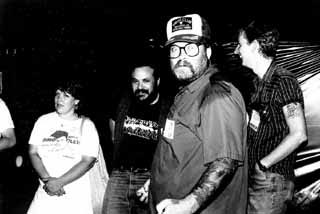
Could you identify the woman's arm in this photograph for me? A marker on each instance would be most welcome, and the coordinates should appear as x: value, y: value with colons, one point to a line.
x: 37, y: 162
x: 90, y: 147
x: 78, y: 170
x: 7, y: 139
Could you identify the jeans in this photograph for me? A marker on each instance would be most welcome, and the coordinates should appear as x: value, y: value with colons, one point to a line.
x: 269, y: 193
x: 120, y: 197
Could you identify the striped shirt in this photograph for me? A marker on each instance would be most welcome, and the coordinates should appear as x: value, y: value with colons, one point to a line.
x: 267, y: 126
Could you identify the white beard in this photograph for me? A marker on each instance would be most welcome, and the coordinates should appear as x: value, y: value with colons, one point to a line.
x: 183, y: 73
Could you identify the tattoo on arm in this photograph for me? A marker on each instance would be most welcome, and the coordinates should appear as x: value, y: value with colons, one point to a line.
x: 212, y: 179
x: 292, y: 110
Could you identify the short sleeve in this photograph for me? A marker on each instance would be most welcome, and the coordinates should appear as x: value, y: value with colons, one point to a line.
x: 89, y: 139
x: 289, y: 91
x: 223, y: 125
x: 35, y: 136
x: 5, y: 117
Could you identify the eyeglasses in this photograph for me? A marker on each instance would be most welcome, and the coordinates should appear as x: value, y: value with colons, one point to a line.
x: 191, y: 49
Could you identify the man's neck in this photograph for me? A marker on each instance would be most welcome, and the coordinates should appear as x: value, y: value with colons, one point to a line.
x: 262, y: 66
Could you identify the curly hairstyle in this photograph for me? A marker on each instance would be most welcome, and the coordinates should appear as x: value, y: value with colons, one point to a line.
x: 266, y: 35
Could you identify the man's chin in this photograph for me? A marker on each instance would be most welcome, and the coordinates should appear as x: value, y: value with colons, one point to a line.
x: 142, y: 98
x: 183, y: 75
x: 183, y: 78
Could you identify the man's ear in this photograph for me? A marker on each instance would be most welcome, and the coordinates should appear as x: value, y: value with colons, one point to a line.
x: 255, y: 45
x: 209, y: 52
x: 158, y: 81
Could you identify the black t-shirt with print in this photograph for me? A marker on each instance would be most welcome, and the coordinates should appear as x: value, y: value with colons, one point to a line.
x: 140, y: 132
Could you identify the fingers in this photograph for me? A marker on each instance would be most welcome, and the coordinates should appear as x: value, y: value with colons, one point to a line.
x: 144, y: 198
x: 162, y: 205
x: 142, y: 193
x: 301, y: 198
x: 60, y: 192
x: 313, y: 196
x: 50, y: 188
x: 316, y: 189
x: 53, y: 185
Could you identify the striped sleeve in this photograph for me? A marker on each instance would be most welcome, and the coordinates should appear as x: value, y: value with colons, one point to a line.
x: 289, y: 91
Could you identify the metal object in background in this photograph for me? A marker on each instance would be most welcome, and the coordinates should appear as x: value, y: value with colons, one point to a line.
x: 302, y: 59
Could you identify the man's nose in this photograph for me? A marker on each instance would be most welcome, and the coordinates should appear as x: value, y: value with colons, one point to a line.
x: 60, y: 98
x: 236, y: 50
x: 140, y: 85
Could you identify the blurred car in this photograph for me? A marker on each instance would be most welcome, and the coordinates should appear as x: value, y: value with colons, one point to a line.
x: 303, y: 59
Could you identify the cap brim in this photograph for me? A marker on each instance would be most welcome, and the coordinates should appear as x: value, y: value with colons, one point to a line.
x: 183, y: 38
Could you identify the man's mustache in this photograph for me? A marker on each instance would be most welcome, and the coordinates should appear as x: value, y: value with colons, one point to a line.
x: 138, y: 91
x: 182, y: 63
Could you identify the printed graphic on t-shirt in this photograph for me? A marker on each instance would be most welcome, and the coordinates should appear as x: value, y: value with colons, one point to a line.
x: 59, y: 143
x: 141, y: 128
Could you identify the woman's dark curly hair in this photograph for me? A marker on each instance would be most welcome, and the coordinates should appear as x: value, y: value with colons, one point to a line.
x: 266, y: 35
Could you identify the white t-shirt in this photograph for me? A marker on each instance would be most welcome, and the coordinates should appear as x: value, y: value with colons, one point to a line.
x: 60, y: 146
x: 5, y: 117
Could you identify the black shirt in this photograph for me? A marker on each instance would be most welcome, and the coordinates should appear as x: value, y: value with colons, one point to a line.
x: 140, y: 136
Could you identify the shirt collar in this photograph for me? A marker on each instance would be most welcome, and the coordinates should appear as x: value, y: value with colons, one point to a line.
x: 267, y: 76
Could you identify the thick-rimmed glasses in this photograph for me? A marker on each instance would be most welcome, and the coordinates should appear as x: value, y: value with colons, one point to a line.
x: 191, y: 49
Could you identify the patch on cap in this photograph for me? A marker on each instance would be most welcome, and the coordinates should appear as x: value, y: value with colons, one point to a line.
x: 188, y: 28
x: 182, y: 23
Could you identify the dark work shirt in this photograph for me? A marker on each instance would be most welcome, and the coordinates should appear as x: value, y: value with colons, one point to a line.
x: 267, y: 126
x: 205, y: 122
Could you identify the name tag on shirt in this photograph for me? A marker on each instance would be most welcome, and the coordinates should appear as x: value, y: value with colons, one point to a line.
x: 255, y: 120
x: 169, y: 129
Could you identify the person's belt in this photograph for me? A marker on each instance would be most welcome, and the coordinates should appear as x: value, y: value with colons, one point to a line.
x: 132, y: 169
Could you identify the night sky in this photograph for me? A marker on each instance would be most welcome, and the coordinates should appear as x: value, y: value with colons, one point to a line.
x: 42, y: 41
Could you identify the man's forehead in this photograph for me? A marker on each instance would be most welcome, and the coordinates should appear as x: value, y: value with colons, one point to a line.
x: 143, y: 72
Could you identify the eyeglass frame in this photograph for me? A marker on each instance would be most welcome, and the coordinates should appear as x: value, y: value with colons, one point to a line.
x: 184, y: 48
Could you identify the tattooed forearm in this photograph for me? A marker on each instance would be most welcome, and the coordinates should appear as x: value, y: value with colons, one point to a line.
x: 211, y: 180
x: 292, y: 110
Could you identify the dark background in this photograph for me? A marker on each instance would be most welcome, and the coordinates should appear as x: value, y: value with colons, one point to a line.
x: 42, y: 41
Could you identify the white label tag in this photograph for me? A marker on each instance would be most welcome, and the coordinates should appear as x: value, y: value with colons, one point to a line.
x: 169, y: 129
x: 255, y: 120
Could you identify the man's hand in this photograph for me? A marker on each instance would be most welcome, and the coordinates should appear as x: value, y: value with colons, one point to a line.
x: 142, y: 193
x: 172, y: 206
